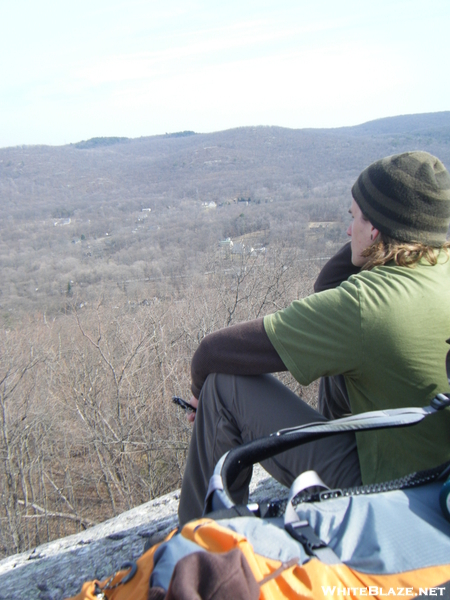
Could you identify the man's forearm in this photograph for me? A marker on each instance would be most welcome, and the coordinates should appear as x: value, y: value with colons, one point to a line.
x: 336, y: 270
x: 242, y: 349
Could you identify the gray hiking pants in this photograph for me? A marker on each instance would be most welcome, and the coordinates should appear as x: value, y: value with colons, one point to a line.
x: 234, y: 410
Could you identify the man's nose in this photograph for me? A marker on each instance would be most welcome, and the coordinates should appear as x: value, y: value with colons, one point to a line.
x: 349, y: 230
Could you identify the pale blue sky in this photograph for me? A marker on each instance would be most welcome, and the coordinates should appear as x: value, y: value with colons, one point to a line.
x: 80, y: 69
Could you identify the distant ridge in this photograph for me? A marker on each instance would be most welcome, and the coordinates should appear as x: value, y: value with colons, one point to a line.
x: 402, y: 124
x: 180, y: 134
x: 423, y: 123
x: 436, y: 124
x: 100, y: 141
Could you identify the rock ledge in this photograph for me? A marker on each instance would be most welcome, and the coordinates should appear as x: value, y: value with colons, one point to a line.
x: 57, y: 569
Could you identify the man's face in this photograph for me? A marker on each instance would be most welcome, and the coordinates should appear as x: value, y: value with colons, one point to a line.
x: 362, y: 233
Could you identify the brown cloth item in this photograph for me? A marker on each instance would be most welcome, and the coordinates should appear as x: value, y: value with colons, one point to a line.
x: 206, y: 576
x: 336, y: 270
x: 242, y: 349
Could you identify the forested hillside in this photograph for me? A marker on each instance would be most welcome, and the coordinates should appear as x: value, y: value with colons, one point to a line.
x: 72, y: 218
x: 118, y: 256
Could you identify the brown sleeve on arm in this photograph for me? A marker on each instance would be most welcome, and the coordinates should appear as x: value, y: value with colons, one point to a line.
x: 336, y: 270
x: 242, y: 349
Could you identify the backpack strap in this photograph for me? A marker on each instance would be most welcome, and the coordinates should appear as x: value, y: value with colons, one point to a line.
x: 234, y: 461
x: 302, y: 530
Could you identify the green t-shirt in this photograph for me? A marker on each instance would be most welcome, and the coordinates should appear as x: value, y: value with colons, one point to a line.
x: 385, y: 330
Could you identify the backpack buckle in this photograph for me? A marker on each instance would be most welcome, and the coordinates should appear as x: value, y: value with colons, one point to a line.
x: 440, y: 401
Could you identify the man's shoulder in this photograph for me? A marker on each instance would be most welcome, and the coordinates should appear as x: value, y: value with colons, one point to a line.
x: 389, y: 295
x: 392, y: 275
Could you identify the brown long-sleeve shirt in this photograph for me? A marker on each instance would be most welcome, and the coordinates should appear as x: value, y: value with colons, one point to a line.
x: 242, y: 349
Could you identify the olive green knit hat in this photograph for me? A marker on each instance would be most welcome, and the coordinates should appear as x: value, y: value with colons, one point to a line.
x: 407, y: 197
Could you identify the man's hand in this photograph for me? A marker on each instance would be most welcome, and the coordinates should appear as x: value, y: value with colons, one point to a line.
x: 191, y: 416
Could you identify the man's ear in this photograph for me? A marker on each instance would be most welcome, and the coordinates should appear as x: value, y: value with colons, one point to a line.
x: 374, y: 233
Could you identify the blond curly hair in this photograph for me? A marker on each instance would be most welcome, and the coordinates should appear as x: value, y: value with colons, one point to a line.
x: 405, y: 254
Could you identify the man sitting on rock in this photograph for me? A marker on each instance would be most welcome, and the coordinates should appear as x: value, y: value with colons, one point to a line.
x: 377, y: 340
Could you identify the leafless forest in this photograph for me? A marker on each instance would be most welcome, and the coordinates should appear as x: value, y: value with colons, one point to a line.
x: 115, y: 264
